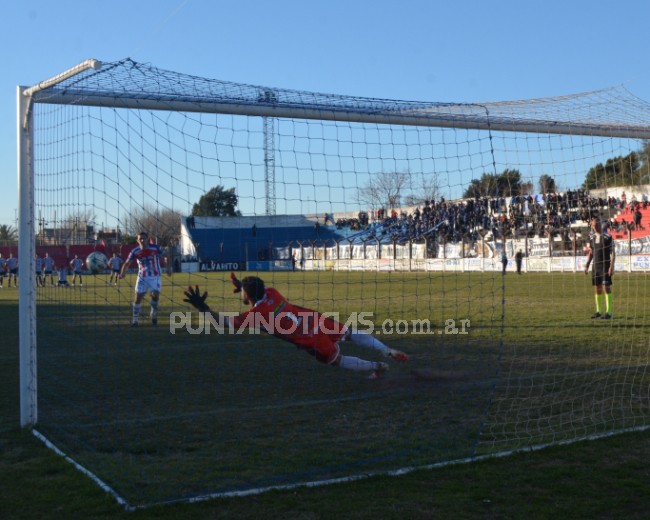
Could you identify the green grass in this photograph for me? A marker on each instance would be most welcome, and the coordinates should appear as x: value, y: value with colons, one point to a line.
x: 161, y: 416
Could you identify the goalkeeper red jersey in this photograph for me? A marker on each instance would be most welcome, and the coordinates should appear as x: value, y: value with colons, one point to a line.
x: 307, y: 329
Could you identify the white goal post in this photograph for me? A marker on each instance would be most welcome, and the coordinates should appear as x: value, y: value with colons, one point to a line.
x: 26, y: 231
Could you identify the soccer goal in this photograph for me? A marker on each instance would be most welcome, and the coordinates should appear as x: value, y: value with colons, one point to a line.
x: 455, y: 233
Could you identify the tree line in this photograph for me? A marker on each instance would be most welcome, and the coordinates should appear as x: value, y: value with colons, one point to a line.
x: 632, y: 169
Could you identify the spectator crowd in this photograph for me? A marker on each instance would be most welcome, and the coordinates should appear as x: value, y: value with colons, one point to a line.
x: 470, y: 219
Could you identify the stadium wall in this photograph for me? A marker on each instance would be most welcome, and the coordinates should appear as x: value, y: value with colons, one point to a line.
x: 62, y: 255
x: 632, y: 263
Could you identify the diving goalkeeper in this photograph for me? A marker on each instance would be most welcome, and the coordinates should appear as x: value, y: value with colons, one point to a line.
x: 308, y: 330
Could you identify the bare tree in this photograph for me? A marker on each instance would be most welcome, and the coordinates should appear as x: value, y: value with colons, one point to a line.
x: 426, y: 188
x: 161, y: 224
x: 78, y: 219
x: 547, y: 184
x: 385, y: 190
x: 77, y: 227
x: 527, y: 188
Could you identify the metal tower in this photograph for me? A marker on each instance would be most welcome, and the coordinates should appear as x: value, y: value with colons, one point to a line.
x: 269, y: 97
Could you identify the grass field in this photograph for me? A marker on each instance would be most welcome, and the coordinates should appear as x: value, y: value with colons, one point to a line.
x: 161, y: 417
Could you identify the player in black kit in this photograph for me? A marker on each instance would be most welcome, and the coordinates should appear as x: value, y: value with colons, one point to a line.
x: 602, y: 252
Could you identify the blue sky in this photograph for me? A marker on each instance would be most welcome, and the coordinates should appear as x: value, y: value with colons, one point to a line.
x: 462, y: 51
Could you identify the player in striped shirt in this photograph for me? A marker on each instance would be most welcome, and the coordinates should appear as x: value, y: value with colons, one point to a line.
x: 318, y: 335
x: 148, y: 257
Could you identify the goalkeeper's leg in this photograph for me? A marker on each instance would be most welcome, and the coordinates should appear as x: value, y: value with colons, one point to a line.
x: 376, y: 368
x: 327, y: 351
x: 368, y: 340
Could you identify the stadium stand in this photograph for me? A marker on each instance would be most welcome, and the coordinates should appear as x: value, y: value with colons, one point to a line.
x: 239, y: 239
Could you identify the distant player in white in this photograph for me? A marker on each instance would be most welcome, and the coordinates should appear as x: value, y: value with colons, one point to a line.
x: 12, y: 269
x: 38, y: 268
x: 76, y: 264
x: 48, y: 268
x: 149, y: 280
x: 63, y: 278
x: 3, y: 270
x: 114, y: 264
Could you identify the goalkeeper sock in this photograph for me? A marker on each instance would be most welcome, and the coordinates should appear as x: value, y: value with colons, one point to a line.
x: 357, y: 364
x: 608, y: 303
x: 598, y: 303
x: 136, y: 312
x: 368, y: 340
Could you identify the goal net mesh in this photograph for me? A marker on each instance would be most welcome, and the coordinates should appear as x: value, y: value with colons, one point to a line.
x: 353, y: 206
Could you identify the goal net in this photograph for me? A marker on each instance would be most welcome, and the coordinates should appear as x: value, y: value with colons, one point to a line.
x: 400, y: 219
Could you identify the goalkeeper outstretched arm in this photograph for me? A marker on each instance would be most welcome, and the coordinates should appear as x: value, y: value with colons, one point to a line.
x: 194, y: 297
x: 197, y: 300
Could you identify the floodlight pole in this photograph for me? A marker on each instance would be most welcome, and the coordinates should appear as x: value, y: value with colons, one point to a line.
x: 268, y: 124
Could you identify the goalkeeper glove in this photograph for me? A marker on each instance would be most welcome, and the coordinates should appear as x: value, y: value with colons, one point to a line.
x: 235, y: 282
x: 196, y: 299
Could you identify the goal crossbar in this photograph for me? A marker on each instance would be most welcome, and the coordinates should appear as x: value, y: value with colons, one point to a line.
x: 595, y: 113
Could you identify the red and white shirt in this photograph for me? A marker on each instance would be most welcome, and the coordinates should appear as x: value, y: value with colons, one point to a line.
x: 148, y: 260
